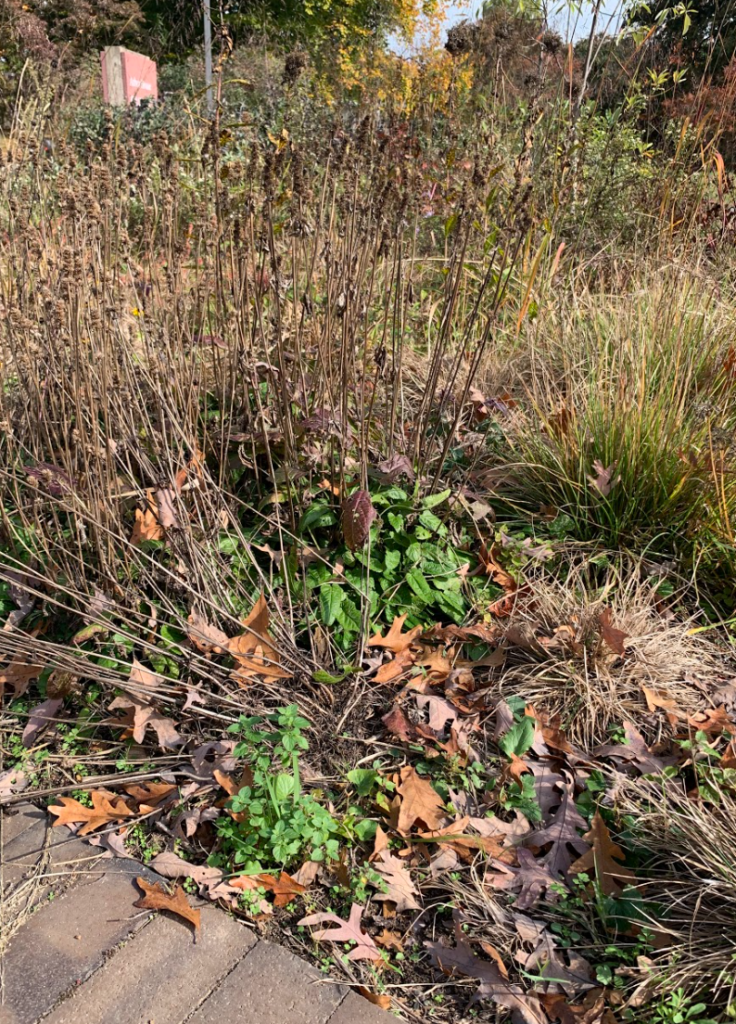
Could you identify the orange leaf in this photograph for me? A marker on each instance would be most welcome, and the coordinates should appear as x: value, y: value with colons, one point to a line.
x: 713, y: 721
x: 602, y: 857
x: 106, y: 808
x: 390, y: 940
x: 612, y: 637
x: 284, y: 888
x: 396, y: 668
x: 254, y: 650
x: 155, y: 897
x: 146, y: 525
x: 395, y: 640
x: 420, y: 802
x: 383, y: 1001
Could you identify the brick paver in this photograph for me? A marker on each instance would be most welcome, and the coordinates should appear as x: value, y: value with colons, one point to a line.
x: 65, y: 940
x: 86, y: 955
x: 161, y: 976
x: 272, y: 986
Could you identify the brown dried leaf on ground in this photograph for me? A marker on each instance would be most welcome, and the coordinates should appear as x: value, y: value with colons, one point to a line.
x: 155, y: 897
x: 636, y: 753
x: 460, y: 959
x: 464, y: 634
x: 592, y: 1010
x: 383, y: 1001
x: 390, y: 940
x: 206, y: 638
x: 38, y: 719
x: 106, y: 808
x: 12, y: 781
x: 613, y: 638
x: 393, y: 670
x: 530, y: 879
x: 440, y: 711
x: 419, y: 803
x: 18, y: 590
x: 284, y: 888
x: 146, y: 525
x: 140, y: 717
x: 714, y: 721
x: 150, y: 794
x: 113, y: 844
x: 254, y: 650
x: 346, y: 931
x: 18, y: 674
x: 399, y: 886
x: 602, y: 857
x: 170, y: 865
x: 603, y: 481
x: 546, y: 963
x: 395, y: 640
x: 563, y: 833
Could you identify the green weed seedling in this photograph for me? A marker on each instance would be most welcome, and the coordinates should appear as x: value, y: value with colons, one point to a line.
x: 282, y: 825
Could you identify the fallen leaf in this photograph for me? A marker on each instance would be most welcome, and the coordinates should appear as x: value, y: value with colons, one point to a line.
x: 357, y: 515
x: 206, y: 638
x: 141, y: 716
x: 284, y: 888
x: 395, y: 466
x: 529, y: 880
x: 113, y: 844
x: 254, y: 650
x: 603, y: 480
x: 494, y: 984
x: 440, y: 711
x: 395, y: 640
x: 155, y: 897
x: 420, y: 802
x: 346, y: 931
x: 399, y: 886
x: 383, y: 1001
x: 146, y: 525
x: 612, y: 637
x: 390, y: 940
x: 12, y: 781
x: 399, y: 725
x: 393, y: 670
x: 714, y: 721
x: 106, y: 808
x: 546, y: 963
x: 18, y: 675
x: 150, y: 794
x: 18, y: 591
x: 38, y: 719
x: 561, y: 833
x: 166, y: 509
x: 602, y: 857
x: 636, y: 752
x: 170, y: 865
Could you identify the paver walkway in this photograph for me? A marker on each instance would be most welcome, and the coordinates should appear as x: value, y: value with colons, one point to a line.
x: 74, y: 949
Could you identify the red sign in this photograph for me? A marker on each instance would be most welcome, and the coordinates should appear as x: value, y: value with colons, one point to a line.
x: 127, y: 76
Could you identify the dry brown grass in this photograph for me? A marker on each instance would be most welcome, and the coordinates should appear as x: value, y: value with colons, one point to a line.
x: 559, y: 662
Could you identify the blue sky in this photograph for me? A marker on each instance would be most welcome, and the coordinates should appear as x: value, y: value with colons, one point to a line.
x: 566, y: 23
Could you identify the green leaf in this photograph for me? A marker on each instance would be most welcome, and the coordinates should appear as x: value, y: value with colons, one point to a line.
x: 330, y: 600
x: 396, y: 522
x: 364, y: 779
x: 419, y: 585
x: 452, y: 604
x: 432, y: 522
x: 519, y: 738
x: 366, y: 830
x: 392, y: 559
x: 284, y: 786
x: 432, y: 500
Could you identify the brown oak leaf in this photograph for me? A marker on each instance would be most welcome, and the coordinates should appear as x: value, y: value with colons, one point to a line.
x: 346, y: 931
x: 400, y: 888
x: 602, y: 857
x: 395, y: 640
x: 106, y: 808
x: 612, y: 637
x: 254, y: 650
x: 206, y: 638
x: 419, y: 803
x: 155, y: 897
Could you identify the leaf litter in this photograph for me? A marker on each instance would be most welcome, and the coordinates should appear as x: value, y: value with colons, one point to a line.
x: 441, y: 706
